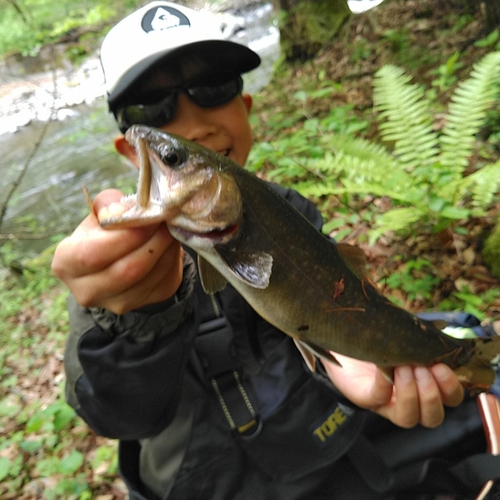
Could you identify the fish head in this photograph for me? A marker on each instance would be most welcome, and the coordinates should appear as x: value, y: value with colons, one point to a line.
x: 186, y: 185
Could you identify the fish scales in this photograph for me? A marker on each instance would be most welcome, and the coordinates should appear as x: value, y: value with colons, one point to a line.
x: 360, y: 322
x: 246, y: 234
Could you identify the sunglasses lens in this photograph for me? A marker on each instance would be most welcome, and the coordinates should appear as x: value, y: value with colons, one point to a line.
x: 152, y: 115
x: 206, y: 92
x: 214, y: 94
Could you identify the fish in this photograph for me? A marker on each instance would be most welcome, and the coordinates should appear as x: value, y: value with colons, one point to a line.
x: 312, y: 289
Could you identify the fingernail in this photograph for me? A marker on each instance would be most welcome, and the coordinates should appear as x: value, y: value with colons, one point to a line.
x: 422, y: 374
x: 405, y: 373
x: 441, y: 372
x: 112, y: 210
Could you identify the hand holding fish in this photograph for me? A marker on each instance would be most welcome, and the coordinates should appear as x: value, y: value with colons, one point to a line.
x: 118, y: 270
x: 417, y: 396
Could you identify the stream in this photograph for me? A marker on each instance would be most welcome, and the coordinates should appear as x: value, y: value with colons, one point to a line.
x: 69, y: 146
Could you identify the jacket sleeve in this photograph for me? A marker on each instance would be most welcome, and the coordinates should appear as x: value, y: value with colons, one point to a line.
x: 124, y: 372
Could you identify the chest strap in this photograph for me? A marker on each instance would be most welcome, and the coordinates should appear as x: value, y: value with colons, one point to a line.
x: 213, y: 346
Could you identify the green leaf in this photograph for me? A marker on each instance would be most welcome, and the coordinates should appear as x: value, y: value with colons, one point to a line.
x: 301, y: 96
x: 63, y: 416
x: 455, y: 213
x: 35, y: 422
x: 72, y: 462
x: 8, y: 408
x: 30, y: 445
x: 4, y: 467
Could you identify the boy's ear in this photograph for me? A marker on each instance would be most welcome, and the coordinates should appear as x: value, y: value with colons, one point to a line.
x: 247, y: 99
x: 125, y: 149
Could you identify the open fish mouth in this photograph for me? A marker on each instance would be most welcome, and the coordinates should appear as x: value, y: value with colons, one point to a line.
x: 213, y: 234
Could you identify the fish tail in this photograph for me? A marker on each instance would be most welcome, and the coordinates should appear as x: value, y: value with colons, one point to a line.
x: 478, y: 373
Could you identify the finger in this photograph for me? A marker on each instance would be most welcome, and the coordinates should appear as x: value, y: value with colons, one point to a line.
x: 102, y: 200
x: 109, y: 282
x: 452, y: 391
x: 406, y: 412
x: 106, y: 197
x: 158, y: 285
x: 90, y: 251
x: 151, y: 264
x: 90, y: 248
x: 429, y: 397
x: 382, y: 389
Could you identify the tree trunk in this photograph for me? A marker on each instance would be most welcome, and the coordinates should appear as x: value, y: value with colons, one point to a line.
x: 492, y: 14
x: 307, y: 25
x: 490, y: 10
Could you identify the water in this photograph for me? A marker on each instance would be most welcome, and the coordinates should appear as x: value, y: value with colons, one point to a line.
x: 77, y: 151
x: 73, y: 153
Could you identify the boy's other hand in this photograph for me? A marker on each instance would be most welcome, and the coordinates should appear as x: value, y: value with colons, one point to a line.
x: 418, y: 395
x: 119, y: 269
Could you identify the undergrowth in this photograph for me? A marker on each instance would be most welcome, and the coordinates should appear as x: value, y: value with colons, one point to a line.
x: 43, y: 444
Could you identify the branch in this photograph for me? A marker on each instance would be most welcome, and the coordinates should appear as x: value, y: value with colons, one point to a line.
x: 18, y: 9
x: 25, y: 235
x: 15, y: 184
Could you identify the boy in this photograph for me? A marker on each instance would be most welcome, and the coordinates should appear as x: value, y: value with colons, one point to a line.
x: 207, y: 399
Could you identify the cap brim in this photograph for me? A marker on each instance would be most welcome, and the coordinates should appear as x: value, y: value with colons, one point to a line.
x: 216, y: 53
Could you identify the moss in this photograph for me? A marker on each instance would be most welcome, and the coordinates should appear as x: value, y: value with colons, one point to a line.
x: 491, y: 250
x: 309, y: 26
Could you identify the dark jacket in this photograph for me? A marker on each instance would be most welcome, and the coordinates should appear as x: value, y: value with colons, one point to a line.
x: 256, y: 425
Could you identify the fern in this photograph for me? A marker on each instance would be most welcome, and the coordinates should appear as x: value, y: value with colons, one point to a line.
x: 423, y: 175
x: 467, y: 112
x: 397, y: 219
x: 405, y: 118
x: 481, y: 186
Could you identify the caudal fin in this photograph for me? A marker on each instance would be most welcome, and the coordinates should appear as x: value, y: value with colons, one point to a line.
x: 478, y: 373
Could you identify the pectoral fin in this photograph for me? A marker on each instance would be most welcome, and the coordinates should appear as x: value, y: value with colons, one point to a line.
x: 317, y: 351
x: 309, y: 357
x: 254, y: 269
x: 387, y: 372
x: 211, y: 280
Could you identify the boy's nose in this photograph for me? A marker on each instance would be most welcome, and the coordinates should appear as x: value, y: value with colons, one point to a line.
x: 192, y: 122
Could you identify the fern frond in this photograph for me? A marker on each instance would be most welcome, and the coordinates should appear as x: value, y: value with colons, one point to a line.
x: 361, y: 167
x: 404, y: 117
x: 467, y: 112
x: 361, y: 148
x: 395, y: 219
x: 481, y: 186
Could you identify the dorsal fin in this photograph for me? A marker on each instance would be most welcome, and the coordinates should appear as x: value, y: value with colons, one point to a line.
x: 354, y: 257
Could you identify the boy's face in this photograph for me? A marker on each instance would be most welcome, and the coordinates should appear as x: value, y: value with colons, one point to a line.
x: 224, y: 128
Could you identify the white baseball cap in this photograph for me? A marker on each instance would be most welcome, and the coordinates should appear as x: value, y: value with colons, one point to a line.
x: 159, y: 31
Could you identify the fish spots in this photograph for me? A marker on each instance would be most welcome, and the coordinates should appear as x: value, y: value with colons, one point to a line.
x: 303, y: 328
x: 338, y: 288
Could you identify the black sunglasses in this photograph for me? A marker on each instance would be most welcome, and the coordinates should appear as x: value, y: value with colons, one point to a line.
x: 159, y: 107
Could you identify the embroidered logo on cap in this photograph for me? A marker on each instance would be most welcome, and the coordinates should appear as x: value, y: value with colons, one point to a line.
x: 163, y: 18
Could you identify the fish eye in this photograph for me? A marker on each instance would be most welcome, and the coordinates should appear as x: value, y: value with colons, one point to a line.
x: 173, y: 158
